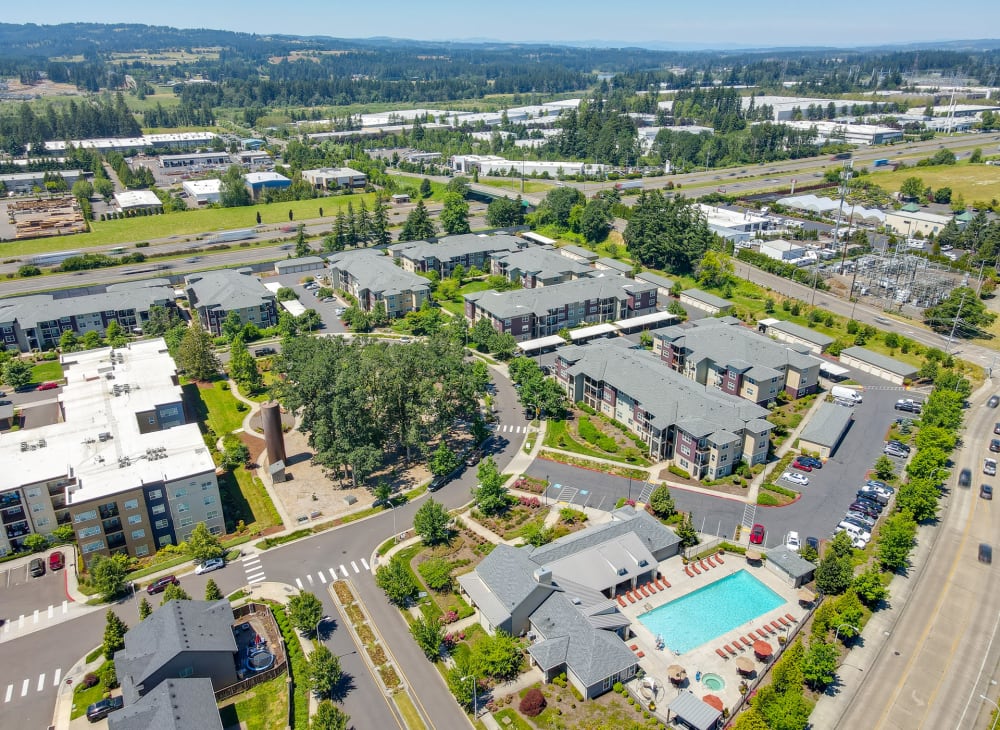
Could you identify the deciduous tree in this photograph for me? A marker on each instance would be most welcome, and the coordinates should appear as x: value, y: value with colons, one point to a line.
x: 428, y: 634
x: 455, y: 214
x: 395, y: 579
x: 431, y: 523
x: 305, y: 612
x: 323, y: 671
x: 107, y: 574
x: 202, y: 545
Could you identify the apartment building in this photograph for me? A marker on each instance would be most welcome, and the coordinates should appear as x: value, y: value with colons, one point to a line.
x: 467, y: 250
x: 531, y: 313
x: 126, y: 466
x: 537, y: 266
x: 36, y: 322
x: 704, y: 431
x: 371, y: 277
x: 722, y: 354
x: 214, y: 294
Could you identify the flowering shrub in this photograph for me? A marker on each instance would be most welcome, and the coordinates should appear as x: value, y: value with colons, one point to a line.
x: 532, y: 502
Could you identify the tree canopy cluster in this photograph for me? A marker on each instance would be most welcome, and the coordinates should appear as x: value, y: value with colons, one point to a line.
x: 362, y: 399
x: 667, y: 233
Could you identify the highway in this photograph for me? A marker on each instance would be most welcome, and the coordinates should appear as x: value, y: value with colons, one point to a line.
x: 942, y: 653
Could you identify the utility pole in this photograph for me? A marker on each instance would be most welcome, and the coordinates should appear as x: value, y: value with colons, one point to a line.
x: 954, y: 326
x: 845, y: 175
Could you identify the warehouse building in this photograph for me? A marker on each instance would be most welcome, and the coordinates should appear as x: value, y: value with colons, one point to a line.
x: 203, y: 191
x: 258, y: 182
x: 334, y: 178
x: 194, y: 159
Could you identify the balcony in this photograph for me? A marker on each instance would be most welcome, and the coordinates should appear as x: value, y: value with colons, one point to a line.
x: 112, y: 525
x: 116, y: 541
x: 18, y: 529
x: 10, y: 499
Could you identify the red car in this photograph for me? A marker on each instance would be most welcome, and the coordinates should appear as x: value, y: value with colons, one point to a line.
x: 801, y: 466
x: 757, y: 533
x: 57, y: 561
x: 48, y: 386
x: 160, y: 584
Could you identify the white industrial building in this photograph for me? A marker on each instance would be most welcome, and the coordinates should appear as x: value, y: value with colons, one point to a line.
x: 908, y: 223
x: 203, y: 191
x: 782, y: 250
x: 331, y: 178
x: 501, y: 166
x: 860, y: 134
x: 736, y: 220
x: 786, y: 108
x: 177, y: 140
x: 137, y: 200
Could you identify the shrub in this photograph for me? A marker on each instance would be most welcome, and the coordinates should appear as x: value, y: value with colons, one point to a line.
x: 532, y: 703
x: 90, y: 680
x: 678, y: 472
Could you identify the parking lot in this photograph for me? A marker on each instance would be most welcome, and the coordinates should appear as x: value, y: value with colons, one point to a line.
x: 21, y: 594
x: 327, y: 311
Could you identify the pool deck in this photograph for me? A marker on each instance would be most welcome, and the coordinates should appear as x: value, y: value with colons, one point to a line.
x: 704, y: 658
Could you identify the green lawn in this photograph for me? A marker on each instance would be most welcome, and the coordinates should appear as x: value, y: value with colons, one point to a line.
x: 260, y: 708
x: 509, y: 718
x: 84, y: 697
x: 222, y: 417
x: 45, y: 371
x: 458, y: 307
x: 188, y: 225
x: 972, y: 182
x: 513, y: 185
x: 411, y: 718
x: 558, y: 436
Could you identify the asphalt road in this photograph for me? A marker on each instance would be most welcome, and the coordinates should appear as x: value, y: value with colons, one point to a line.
x: 31, y: 661
x: 942, y: 653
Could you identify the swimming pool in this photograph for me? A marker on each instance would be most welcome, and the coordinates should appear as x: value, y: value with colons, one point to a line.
x: 709, y: 612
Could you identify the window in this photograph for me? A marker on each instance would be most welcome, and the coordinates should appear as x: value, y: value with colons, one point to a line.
x: 92, y: 546
x: 132, y: 504
x: 156, y: 494
x: 180, y: 493
x: 165, y: 540
x: 161, y: 524
x: 210, y: 499
x: 135, y: 519
x: 38, y: 507
x: 42, y: 522
x: 84, y: 516
x: 88, y: 532
x: 206, y: 485
x: 152, y: 420
x: 183, y: 507
x: 34, y: 492
x: 212, y: 514
x: 138, y: 534
x: 215, y: 530
x: 159, y: 509
x: 141, y: 550
x: 186, y: 672
x: 186, y: 521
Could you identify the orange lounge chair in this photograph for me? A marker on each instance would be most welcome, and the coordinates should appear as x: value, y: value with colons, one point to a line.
x: 630, y: 597
x: 651, y: 587
x: 710, y: 561
x: 665, y: 582
x: 776, y: 626
x: 703, y: 566
x: 763, y: 634
x: 694, y: 567
x: 746, y: 641
x: 731, y: 650
x: 621, y: 602
x: 719, y: 558
x: 645, y: 591
x: 791, y: 618
x: 687, y: 569
x: 721, y: 653
x: 751, y: 637
x: 768, y: 627
x: 783, y: 621
x: 640, y: 654
x: 656, y: 582
x: 634, y: 647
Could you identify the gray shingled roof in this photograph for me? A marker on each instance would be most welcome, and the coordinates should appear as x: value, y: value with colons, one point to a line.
x: 890, y: 364
x: 227, y: 290
x: 29, y: 311
x: 175, y: 704
x: 827, y: 425
x: 660, y: 281
x: 803, y: 333
x: 622, y: 267
x: 704, y: 296
x: 651, y: 532
x: 667, y: 395
x: 591, y: 653
x: 509, y: 574
x: 303, y: 261
x: 540, y: 300
x: 694, y: 713
x: 584, y: 253
x: 179, y: 626
x: 790, y: 562
x: 544, y: 263
x: 376, y: 273
x: 451, y: 247
x: 724, y: 342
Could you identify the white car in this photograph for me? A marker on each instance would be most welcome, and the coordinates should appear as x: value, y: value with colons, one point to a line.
x: 792, y: 541
x: 209, y: 565
x: 801, y: 479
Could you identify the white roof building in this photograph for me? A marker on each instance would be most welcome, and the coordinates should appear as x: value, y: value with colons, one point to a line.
x: 133, y: 199
x: 203, y: 191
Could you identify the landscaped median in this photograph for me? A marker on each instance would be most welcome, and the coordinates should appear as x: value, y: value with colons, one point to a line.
x: 366, y: 636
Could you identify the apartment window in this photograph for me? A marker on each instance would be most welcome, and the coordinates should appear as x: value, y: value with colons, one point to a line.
x: 183, y: 507
x: 210, y: 499
x: 92, y: 546
x: 215, y: 530
x: 42, y: 522
x: 135, y: 519
x: 159, y: 509
x: 180, y: 493
x: 161, y: 524
x: 34, y: 492
x: 88, y: 532
x: 206, y: 485
x: 685, y: 450
x: 185, y: 672
x: 84, y: 516
x: 165, y: 540
x: 138, y: 534
x: 156, y: 494
x: 38, y: 507
x: 141, y: 550
x: 212, y: 514
x: 132, y: 504
x: 186, y: 521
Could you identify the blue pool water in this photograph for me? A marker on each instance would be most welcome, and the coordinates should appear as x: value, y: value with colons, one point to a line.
x: 710, y: 612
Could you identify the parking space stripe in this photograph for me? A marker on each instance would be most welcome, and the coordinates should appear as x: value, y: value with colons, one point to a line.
x: 24, y: 687
x: 298, y: 582
x: 10, y: 693
x: 365, y: 563
x: 355, y: 566
x: 333, y: 574
x: 41, y: 682
x: 310, y: 579
x: 343, y: 570
x: 55, y: 679
x: 51, y: 610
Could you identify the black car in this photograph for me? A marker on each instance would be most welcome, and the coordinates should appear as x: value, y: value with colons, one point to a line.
x: 965, y: 478
x: 810, y: 461
x: 985, y: 491
x: 100, y: 710
x: 438, y: 482
x: 874, y: 504
x: 985, y: 553
x: 995, y: 445
x: 994, y: 401
x: 261, y: 351
x: 872, y: 494
x: 37, y: 568
x: 863, y: 508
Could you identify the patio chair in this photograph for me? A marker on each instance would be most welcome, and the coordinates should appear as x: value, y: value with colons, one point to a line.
x: 634, y: 647
x: 694, y: 567
x: 710, y: 561
x: 763, y: 634
x: 783, y: 621
x: 621, y: 602
x: 650, y: 587
x: 721, y: 653
x: 687, y: 569
x: 703, y: 566
x: 665, y: 582
x: 746, y: 641
x: 719, y: 558
x: 776, y: 626
x: 630, y: 597
x: 770, y: 629
x: 791, y: 618
x: 640, y: 654
x: 730, y: 649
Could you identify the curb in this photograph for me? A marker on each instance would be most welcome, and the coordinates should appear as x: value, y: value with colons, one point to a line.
x: 64, y: 697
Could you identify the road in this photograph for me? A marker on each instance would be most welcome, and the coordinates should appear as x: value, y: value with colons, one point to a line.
x: 31, y: 662
x: 942, y: 652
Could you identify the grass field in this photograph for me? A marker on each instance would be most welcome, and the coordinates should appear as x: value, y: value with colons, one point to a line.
x: 513, y: 185
x: 45, y: 371
x: 223, y: 417
x: 189, y: 224
x: 972, y: 182
x: 261, y: 708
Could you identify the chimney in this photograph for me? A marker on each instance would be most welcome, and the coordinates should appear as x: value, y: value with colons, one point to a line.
x: 543, y: 576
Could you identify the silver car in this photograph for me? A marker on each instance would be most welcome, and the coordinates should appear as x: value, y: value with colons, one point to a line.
x: 209, y: 565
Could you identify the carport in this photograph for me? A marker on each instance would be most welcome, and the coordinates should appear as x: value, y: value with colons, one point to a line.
x: 586, y: 334
x: 541, y: 344
x: 693, y: 713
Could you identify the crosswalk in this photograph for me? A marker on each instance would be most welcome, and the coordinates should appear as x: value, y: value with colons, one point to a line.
x: 328, y: 575
x: 17, y: 690
x: 254, y: 570
x: 31, y: 621
x: 510, y: 428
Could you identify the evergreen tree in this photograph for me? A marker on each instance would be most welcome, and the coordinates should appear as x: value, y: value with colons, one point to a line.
x: 243, y: 367
x: 302, y: 247
x: 174, y: 593
x: 212, y: 592
x: 364, y: 224
x: 455, y: 214
x: 114, y: 634
x: 144, y: 608
x: 196, y: 356
x: 418, y: 225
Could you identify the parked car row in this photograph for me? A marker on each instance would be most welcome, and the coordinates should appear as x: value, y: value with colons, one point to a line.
x: 896, y: 449
x: 864, y: 512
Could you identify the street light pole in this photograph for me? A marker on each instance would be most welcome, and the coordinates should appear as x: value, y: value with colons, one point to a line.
x: 475, y: 704
x: 836, y: 635
x: 984, y: 697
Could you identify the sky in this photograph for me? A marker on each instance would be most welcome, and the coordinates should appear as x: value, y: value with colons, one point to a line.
x: 687, y: 24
